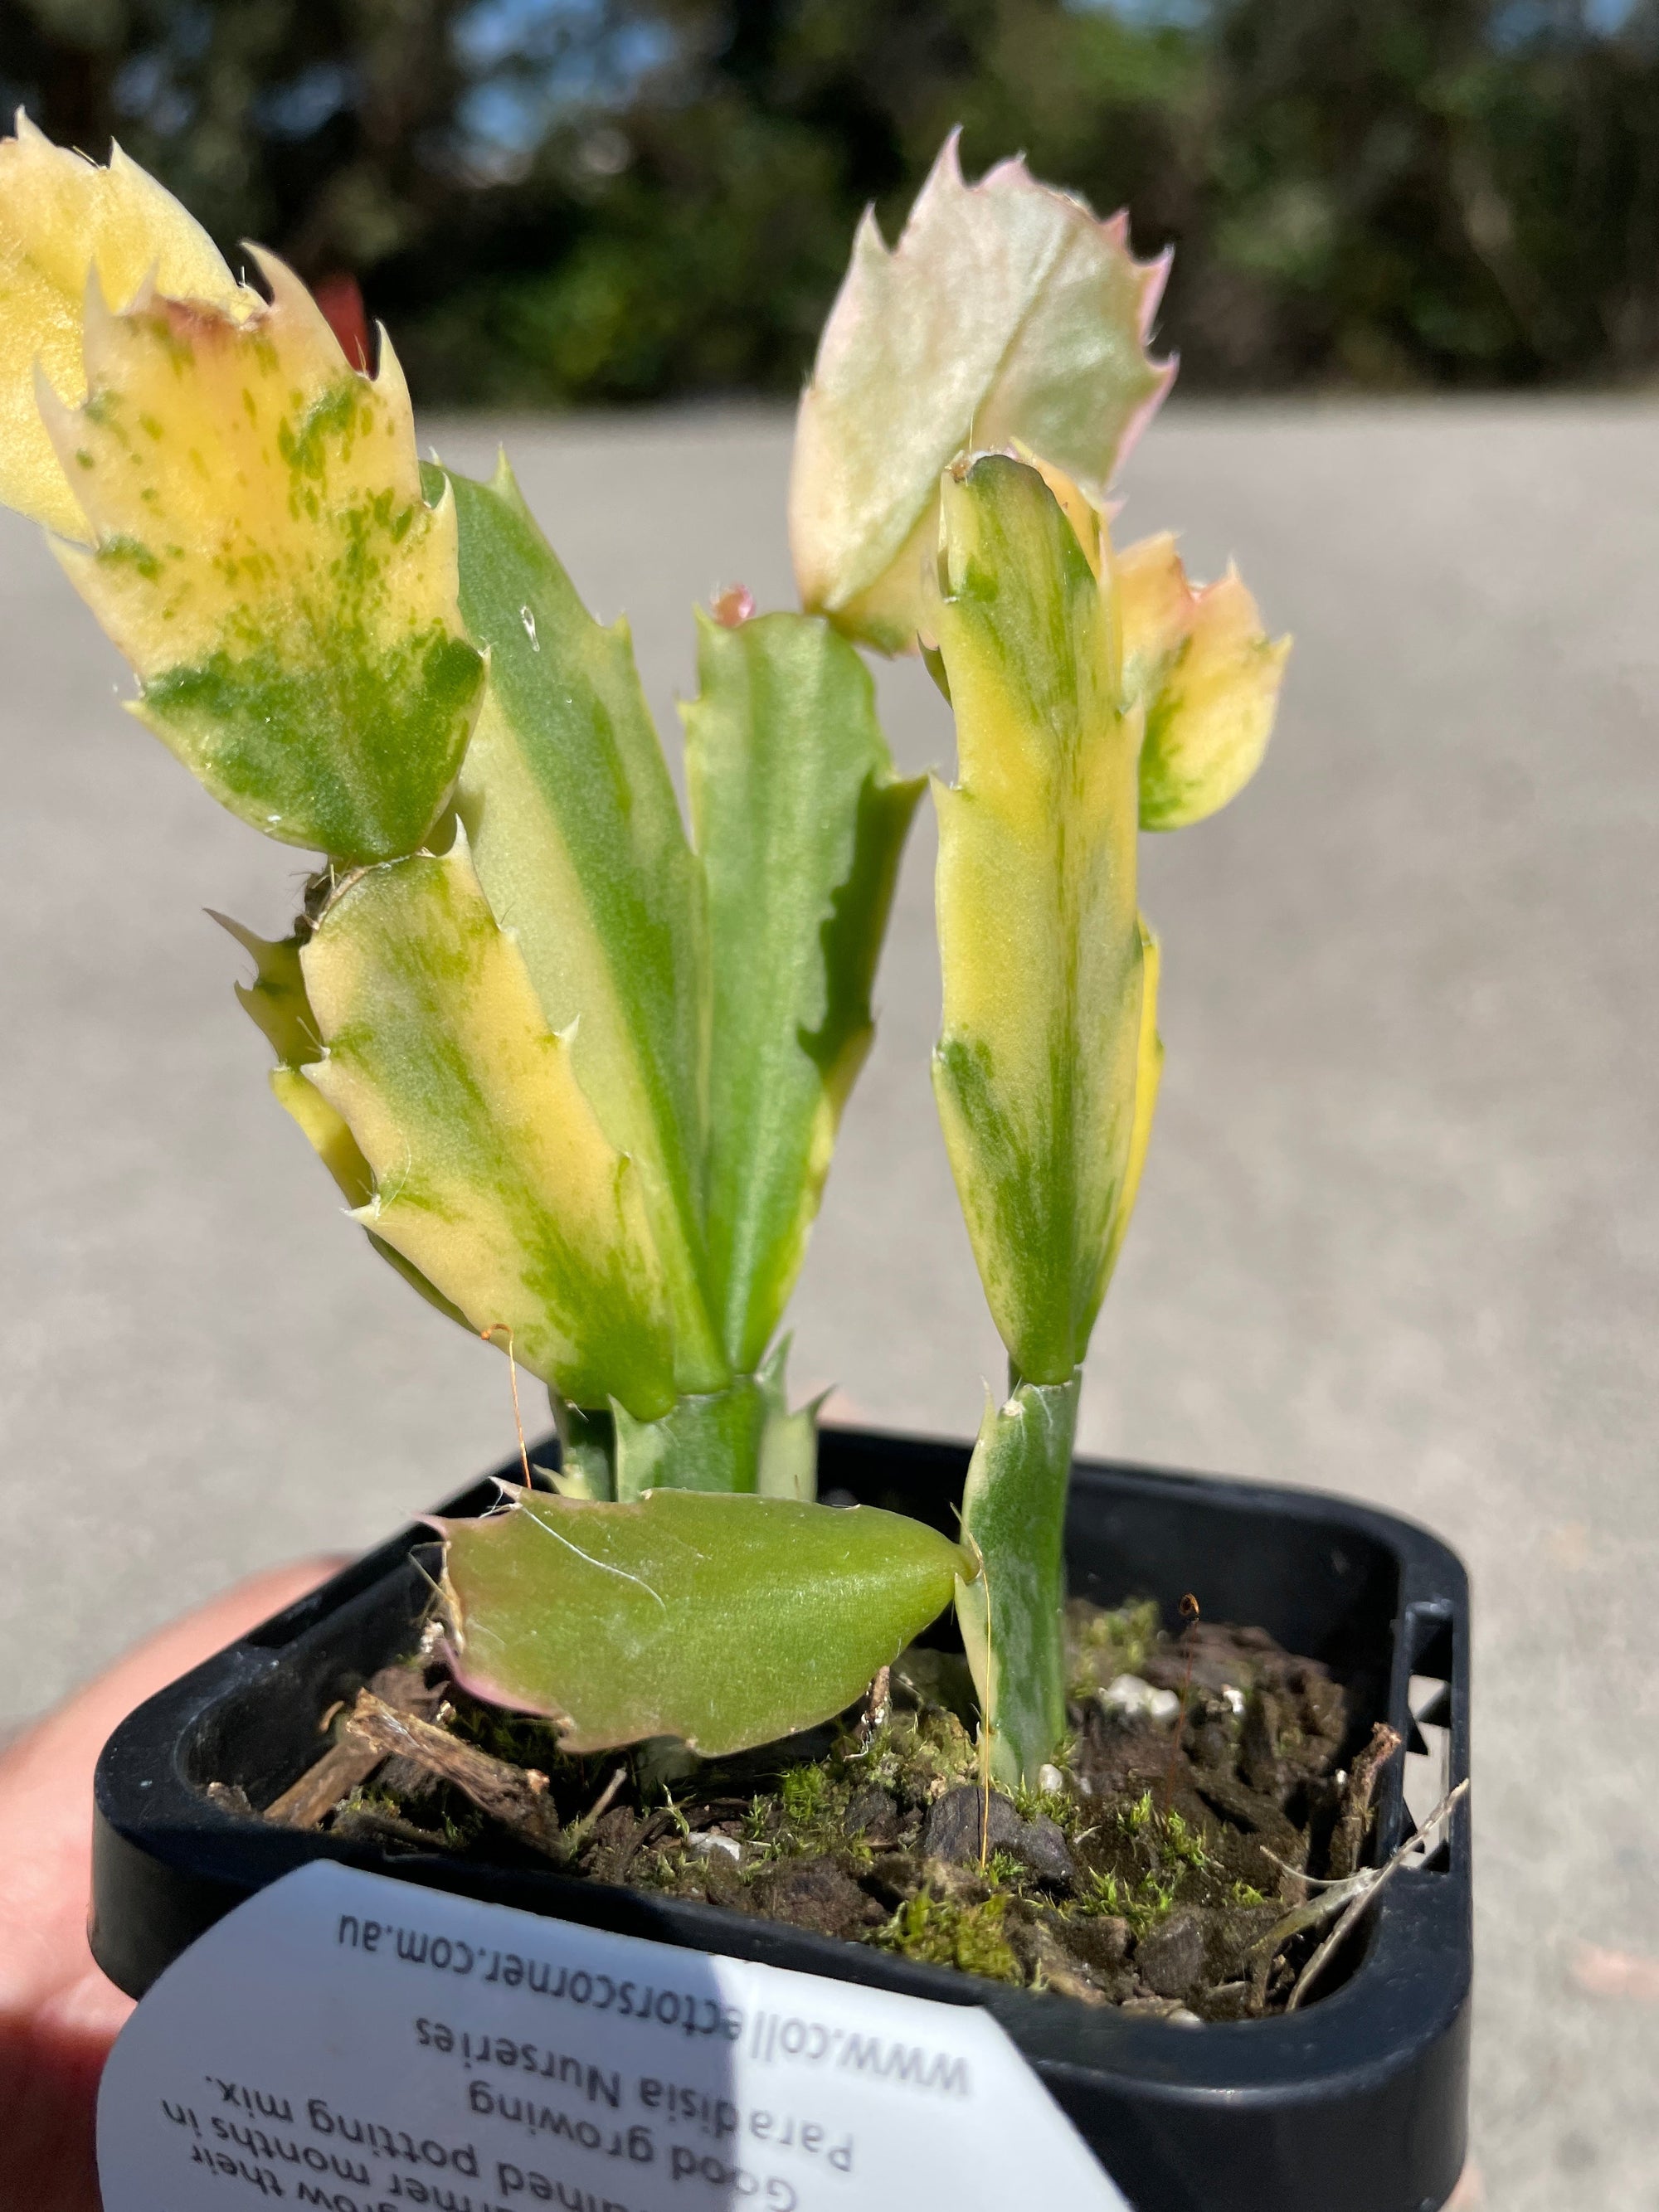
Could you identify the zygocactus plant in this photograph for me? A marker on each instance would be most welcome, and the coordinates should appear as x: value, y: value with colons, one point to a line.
x: 1095, y: 694
x: 579, y: 1074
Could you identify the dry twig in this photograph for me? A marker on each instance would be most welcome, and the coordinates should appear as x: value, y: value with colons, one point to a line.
x: 1375, y: 1879
x: 348, y: 1762
x: 1355, y: 1818
x: 518, y: 1797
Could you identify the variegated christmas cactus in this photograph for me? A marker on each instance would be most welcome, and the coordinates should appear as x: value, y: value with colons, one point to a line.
x: 580, y: 1073
x: 975, y: 389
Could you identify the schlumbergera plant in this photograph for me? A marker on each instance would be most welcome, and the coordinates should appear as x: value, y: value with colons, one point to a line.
x: 578, y: 1075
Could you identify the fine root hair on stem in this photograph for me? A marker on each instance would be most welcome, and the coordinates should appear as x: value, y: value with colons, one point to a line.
x: 500, y: 1328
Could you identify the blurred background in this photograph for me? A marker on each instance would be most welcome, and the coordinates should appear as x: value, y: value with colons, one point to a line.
x: 1399, y: 1235
x: 580, y: 200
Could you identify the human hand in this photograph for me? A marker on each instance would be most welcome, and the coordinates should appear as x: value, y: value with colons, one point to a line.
x: 58, y: 2015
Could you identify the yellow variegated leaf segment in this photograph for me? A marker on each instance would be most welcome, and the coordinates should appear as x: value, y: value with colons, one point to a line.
x: 1042, y: 952
x: 1047, y: 1070
x: 492, y: 1176
x: 62, y: 218
x: 1149, y: 1074
x: 263, y: 556
x: 1007, y: 312
x: 1207, y: 674
x: 276, y: 1004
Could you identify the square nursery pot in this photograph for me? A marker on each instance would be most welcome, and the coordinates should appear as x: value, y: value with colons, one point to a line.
x: 1357, y: 2100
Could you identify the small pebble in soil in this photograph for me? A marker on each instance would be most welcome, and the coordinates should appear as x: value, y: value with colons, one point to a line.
x: 1171, y: 1960
x: 816, y: 1894
x: 871, y: 1813
x: 1127, y: 1693
x: 1165, y: 2009
x: 966, y: 1825
x: 707, y: 1843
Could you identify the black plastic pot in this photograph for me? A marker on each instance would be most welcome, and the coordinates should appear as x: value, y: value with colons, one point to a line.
x: 1357, y: 2100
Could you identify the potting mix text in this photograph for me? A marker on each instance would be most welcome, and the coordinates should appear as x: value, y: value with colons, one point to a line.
x: 345, y: 2041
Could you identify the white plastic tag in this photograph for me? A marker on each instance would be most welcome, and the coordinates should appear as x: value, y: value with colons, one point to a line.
x: 346, y: 2041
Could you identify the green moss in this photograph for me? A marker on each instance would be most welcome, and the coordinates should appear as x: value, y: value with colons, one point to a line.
x: 1134, y: 1819
x: 937, y: 1933
x: 1150, y: 1902
x: 1103, y: 1893
x: 805, y: 1792
x: 1057, y: 1805
x: 1136, y: 1862
x: 368, y: 1799
x: 757, y: 1822
x: 932, y: 1747
x: 1100, y: 1645
x: 1180, y: 1842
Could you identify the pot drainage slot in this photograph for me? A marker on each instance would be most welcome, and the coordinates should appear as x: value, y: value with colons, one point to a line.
x: 1428, y: 1764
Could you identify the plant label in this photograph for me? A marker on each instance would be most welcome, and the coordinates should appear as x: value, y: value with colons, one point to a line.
x: 354, y: 2043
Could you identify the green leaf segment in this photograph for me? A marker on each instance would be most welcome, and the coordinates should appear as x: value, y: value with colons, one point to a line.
x: 800, y: 822
x: 726, y: 1622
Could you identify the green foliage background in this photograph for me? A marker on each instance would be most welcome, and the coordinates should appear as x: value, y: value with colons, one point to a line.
x: 562, y: 200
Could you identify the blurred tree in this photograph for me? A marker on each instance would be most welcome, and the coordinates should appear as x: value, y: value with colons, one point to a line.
x: 305, y: 123
x: 618, y: 199
x: 1428, y: 190
x: 707, y: 215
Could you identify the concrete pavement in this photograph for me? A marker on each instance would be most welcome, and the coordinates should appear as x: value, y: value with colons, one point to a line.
x: 1400, y: 1230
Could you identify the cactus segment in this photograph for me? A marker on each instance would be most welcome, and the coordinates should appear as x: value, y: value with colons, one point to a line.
x: 276, y: 1002
x: 1013, y: 1514
x: 800, y: 820
x: 578, y: 840
x: 327, y: 1133
x: 332, y: 1140
x: 492, y: 1176
x: 789, y: 1441
x: 1040, y: 947
x: 587, y: 1451
x: 739, y: 1439
x: 263, y: 557
x: 1007, y: 311
x: 711, y: 1443
x: 1149, y: 1076
x: 725, y: 1621
x: 61, y: 218
x: 1208, y: 675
